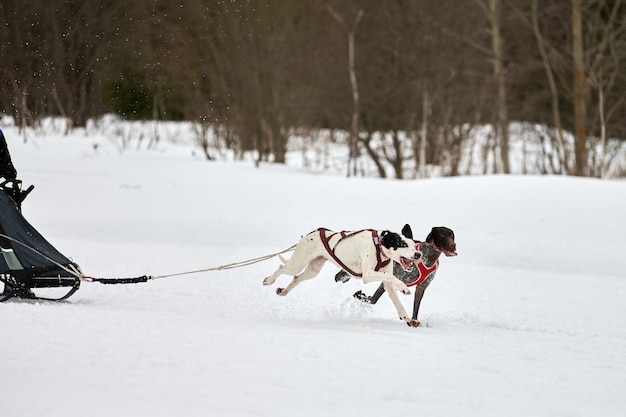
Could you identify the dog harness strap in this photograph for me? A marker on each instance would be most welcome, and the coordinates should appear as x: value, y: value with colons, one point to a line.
x: 424, y: 272
x: 378, y: 243
x: 331, y: 251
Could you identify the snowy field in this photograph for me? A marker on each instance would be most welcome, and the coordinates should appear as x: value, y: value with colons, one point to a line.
x: 528, y: 320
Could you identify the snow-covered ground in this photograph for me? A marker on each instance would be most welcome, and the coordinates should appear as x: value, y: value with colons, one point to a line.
x: 528, y: 320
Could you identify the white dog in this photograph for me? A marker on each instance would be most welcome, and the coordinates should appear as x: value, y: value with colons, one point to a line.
x: 367, y: 254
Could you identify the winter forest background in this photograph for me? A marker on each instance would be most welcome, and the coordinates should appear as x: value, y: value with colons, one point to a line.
x: 408, y: 88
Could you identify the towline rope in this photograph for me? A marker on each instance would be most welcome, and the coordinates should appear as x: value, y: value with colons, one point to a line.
x: 145, y: 278
x: 227, y: 266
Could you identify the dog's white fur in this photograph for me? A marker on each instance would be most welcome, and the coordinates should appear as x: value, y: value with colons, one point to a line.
x: 358, y: 252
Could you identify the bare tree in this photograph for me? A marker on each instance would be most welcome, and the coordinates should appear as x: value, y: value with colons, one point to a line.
x: 493, y: 12
x: 581, y: 91
x: 23, y: 83
x: 77, y: 38
x: 554, y: 94
x: 356, y: 103
x: 604, y: 58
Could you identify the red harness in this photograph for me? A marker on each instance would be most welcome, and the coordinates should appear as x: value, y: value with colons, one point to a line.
x: 331, y: 251
x: 424, y: 272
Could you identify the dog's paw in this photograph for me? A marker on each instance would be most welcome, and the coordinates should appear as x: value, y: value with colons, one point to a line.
x: 411, y: 322
x: 360, y: 295
x: 400, y: 286
x: 342, y: 276
x: 280, y: 291
x: 268, y: 281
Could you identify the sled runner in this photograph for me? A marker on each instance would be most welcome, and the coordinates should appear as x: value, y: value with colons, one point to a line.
x: 28, y: 262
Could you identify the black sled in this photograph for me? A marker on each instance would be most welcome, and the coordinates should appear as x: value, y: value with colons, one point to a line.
x: 28, y: 262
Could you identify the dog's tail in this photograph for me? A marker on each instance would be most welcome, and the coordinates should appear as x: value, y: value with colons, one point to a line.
x: 283, y: 260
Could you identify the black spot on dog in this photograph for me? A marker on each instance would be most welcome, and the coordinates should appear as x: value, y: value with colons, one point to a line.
x: 392, y: 240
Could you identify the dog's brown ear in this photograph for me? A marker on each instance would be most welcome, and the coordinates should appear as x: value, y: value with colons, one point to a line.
x: 407, y: 232
x: 430, y: 237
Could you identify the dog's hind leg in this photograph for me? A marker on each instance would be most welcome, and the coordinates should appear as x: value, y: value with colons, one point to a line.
x: 292, y: 267
x: 269, y: 280
x: 311, y: 271
x: 302, y: 255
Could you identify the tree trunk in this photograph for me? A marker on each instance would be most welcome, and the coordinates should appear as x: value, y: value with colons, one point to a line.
x: 354, y: 125
x: 580, y: 92
x: 423, y: 133
x: 602, y: 168
x: 498, y: 72
x: 564, y: 155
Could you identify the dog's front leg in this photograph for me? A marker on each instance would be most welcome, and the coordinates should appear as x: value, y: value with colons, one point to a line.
x: 391, y: 284
x: 393, y: 294
x: 419, y: 293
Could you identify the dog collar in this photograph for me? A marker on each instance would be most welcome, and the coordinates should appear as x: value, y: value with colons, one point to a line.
x: 435, y: 247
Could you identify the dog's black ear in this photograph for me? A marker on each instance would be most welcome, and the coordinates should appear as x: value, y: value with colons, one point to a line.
x: 407, y: 232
